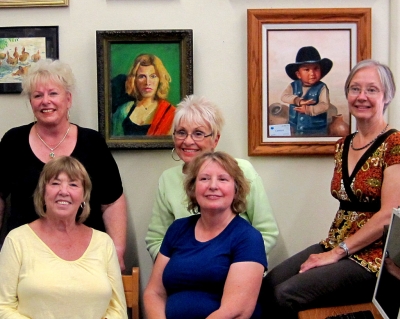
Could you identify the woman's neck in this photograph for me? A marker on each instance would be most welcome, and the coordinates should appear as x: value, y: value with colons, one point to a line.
x: 52, y: 130
x: 368, y: 129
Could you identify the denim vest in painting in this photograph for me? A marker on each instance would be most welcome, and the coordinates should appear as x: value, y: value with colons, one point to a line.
x: 304, y: 124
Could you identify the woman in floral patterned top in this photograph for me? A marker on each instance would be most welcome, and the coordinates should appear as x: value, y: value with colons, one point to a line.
x: 342, y: 269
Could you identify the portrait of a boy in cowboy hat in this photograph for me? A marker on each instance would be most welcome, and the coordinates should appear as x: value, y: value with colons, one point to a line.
x: 307, y: 96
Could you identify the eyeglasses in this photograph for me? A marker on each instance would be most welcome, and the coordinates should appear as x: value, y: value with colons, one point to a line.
x: 356, y: 90
x: 196, y: 136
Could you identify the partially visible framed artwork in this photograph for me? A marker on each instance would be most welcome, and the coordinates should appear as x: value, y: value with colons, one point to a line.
x: 33, y: 3
x: 282, y: 45
x: 142, y: 75
x: 20, y: 47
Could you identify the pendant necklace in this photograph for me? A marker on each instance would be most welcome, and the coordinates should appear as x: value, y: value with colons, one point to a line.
x: 52, y: 149
x: 361, y: 148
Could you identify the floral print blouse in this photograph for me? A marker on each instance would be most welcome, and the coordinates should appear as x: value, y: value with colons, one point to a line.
x: 359, y: 194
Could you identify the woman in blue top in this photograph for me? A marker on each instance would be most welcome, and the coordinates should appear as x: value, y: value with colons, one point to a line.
x: 210, y: 260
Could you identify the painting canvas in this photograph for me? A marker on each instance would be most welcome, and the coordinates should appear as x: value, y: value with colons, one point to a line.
x: 142, y: 76
x: 20, y: 48
x: 307, y: 42
x: 296, y: 98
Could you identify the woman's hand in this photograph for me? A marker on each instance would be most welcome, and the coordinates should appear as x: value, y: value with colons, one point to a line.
x: 322, y: 259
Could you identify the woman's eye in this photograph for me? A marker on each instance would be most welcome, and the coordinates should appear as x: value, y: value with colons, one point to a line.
x: 372, y: 90
x: 198, y: 134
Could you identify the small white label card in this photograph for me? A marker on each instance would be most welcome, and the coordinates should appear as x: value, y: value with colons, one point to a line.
x: 279, y: 130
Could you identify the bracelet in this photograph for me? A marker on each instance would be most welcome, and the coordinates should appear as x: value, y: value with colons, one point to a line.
x: 344, y: 247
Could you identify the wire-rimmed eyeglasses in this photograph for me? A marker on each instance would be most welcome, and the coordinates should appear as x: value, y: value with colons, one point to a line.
x: 356, y: 91
x: 196, y: 136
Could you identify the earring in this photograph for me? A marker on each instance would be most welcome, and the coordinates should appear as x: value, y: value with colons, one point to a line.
x: 83, y: 205
x: 172, y: 155
x: 68, y: 115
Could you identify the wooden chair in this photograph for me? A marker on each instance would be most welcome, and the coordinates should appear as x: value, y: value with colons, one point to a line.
x: 131, y: 289
x: 322, y: 313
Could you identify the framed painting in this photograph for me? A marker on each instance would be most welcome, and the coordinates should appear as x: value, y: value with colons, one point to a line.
x: 20, y: 48
x: 33, y: 3
x: 142, y: 76
x: 296, y: 100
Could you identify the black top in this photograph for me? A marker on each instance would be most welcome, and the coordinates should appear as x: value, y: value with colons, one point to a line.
x: 20, y: 170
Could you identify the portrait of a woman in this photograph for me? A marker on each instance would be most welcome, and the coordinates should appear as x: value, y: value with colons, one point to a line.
x: 148, y: 112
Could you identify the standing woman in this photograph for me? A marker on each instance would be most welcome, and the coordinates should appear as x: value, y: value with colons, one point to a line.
x: 26, y: 149
x: 149, y: 113
x: 56, y: 267
x: 197, y: 127
x: 342, y: 268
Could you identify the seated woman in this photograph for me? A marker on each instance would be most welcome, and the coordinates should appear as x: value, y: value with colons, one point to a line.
x: 342, y: 268
x: 197, y: 128
x: 56, y: 267
x: 210, y: 264
x: 149, y: 113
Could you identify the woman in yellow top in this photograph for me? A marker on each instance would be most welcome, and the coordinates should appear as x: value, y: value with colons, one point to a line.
x: 56, y: 267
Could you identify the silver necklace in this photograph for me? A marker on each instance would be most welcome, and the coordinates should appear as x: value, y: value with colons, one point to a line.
x: 52, y: 149
x: 361, y: 148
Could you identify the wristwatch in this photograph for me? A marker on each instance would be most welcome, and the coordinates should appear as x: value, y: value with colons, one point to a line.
x: 344, y: 247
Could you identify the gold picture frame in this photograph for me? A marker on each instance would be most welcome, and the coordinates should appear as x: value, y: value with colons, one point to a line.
x: 355, y: 23
x: 116, y: 51
x: 33, y: 3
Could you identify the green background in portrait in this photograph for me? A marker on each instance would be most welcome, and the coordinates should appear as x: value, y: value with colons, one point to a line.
x: 123, y: 55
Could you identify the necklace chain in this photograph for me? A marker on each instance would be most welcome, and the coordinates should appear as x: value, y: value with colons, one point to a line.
x: 368, y: 144
x: 52, y: 149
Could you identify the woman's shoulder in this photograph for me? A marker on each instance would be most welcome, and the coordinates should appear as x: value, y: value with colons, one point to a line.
x: 20, y: 234
x: 248, y: 169
x: 89, y: 136
x: 102, y: 238
x: 19, y: 130
x: 245, y: 225
x: 394, y: 137
x: 184, y: 222
x: 172, y: 172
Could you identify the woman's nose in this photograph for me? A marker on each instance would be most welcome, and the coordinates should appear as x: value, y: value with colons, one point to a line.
x: 213, y: 183
x: 63, y: 189
x: 45, y: 99
x: 362, y: 95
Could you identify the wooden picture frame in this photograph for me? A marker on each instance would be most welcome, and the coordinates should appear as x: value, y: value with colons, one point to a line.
x: 116, y: 53
x: 24, y: 46
x: 33, y: 3
x: 288, y: 30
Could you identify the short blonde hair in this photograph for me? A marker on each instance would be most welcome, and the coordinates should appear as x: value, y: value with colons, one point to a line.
x: 199, y: 110
x: 45, y: 71
x: 75, y: 171
x: 230, y: 165
x: 162, y: 73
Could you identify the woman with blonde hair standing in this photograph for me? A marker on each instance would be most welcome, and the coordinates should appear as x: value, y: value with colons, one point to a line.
x: 26, y: 149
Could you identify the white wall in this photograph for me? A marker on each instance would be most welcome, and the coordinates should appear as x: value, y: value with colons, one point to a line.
x: 298, y: 187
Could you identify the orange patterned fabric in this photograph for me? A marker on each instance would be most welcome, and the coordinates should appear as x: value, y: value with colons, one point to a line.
x: 366, y: 184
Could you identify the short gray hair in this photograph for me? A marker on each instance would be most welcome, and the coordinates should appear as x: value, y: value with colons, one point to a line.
x: 199, y: 110
x: 385, y: 75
